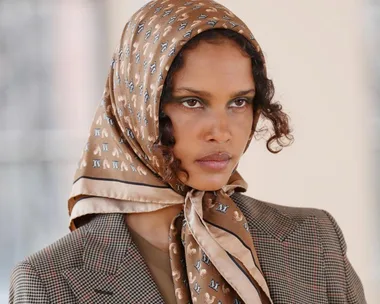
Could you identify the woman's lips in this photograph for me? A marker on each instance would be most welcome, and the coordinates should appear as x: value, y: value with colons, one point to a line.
x: 216, y: 161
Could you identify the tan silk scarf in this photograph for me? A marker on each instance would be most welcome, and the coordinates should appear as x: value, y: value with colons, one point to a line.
x: 212, y: 254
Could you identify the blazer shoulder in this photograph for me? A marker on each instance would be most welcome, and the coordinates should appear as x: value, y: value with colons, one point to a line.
x: 295, y: 214
x: 64, y: 253
x: 26, y: 285
x: 34, y: 279
x: 281, y: 221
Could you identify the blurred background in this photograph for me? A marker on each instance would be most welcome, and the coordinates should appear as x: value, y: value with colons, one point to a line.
x: 322, y: 56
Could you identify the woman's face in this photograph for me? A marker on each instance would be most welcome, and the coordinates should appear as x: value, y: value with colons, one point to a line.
x: 211, y: 112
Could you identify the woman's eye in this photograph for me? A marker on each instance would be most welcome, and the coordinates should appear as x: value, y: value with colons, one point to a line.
x: 191, y: 103
x: 239, y: 103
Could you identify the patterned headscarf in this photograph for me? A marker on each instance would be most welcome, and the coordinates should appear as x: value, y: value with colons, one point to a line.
x: 212, y: 254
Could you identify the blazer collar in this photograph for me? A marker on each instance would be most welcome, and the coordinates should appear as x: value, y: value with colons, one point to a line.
x: 113, y: 269
x: 266, y: 217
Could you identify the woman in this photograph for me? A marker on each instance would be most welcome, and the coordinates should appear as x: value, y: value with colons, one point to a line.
x: 156, y: 208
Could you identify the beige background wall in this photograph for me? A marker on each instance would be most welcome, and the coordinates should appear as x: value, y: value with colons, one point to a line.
x: 316, y: 59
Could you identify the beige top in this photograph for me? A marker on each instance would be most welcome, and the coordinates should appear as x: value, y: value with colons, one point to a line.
x: 159, y: 265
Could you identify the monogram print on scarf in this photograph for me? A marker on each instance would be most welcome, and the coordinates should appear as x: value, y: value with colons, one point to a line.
x: 205, y: 283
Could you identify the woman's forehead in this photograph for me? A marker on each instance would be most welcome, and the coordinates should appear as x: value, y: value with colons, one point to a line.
x: 218, y: 66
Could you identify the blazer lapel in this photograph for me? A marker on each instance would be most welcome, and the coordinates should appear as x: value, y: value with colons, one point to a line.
x: 289, y: 251
x: 113, y: 269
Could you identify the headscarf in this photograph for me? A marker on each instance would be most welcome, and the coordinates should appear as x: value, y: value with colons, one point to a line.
x: 211, y: 250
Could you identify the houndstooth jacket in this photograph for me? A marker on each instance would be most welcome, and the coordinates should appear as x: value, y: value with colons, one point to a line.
x: 302, y: 253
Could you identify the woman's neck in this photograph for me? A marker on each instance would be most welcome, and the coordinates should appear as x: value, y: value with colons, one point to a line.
x: 154, y: 226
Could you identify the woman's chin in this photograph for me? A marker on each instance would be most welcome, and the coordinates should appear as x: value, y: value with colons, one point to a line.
x: 204, y: 184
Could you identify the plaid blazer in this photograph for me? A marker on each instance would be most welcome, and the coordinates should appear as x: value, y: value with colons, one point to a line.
x: 302, y: 253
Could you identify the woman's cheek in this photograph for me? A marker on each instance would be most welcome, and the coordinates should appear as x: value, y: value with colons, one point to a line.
x: 186, y: 123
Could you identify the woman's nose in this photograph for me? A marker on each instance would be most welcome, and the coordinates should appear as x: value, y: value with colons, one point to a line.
x: 219, y: 128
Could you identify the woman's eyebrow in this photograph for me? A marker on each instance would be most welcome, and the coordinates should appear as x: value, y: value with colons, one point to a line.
x: 244, y: 92
x: 208, y: 95
x: 194, y: 91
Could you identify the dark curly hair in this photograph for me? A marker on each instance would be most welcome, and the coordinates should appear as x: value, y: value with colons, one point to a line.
x: 262, y: 103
